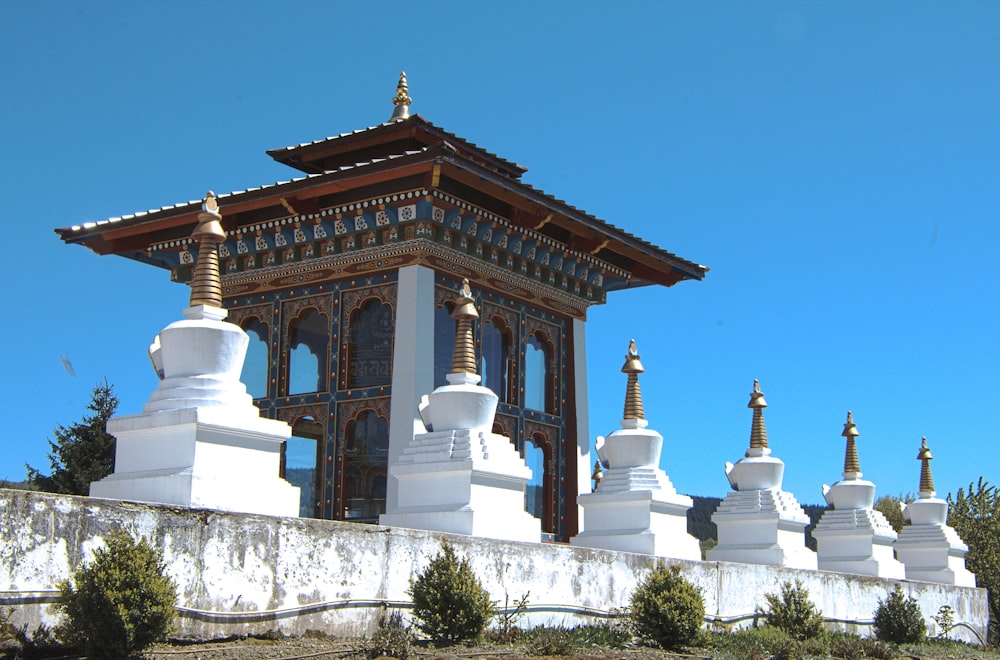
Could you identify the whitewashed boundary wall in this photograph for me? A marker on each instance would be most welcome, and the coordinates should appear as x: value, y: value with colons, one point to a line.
x: 244, y: 574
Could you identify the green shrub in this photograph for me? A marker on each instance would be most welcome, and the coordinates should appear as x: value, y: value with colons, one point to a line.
x: 391, y: 639
x: 793, y: 612
x: 551, y: 641
x: 120, y: 603
x: 667, y: 609
x: 449, y: 600
x: 879, y: 650
x: 898, y: 619
x: 760, y: 643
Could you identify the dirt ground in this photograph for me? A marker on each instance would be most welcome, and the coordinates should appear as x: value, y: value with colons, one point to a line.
x: 295, y: 648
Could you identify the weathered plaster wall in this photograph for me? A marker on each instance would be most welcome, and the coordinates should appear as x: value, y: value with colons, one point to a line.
x: 244, y: 573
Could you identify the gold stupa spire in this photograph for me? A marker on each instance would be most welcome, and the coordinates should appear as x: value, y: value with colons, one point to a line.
x: 464, y: 358
x: 402, y: 100
x: 851, y: 462
x: 926, y: 478
x: 206, y: 285
x: 758, y: 432
x: 633, y: 396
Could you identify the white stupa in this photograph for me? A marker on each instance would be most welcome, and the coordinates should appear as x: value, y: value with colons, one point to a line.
x: 759, y: 523
x: 930, y: 549
x: 852, y: 537
x: 460, y: 477
x: 199, y: 441
x: 635, y: 508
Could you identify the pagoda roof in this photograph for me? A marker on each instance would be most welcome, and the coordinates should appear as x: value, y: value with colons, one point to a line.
x: 392, y: 137
x: 426, y: 153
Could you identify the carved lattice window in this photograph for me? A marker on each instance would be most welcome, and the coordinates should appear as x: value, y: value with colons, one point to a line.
x: 369, y: 348
x: 366, y: 452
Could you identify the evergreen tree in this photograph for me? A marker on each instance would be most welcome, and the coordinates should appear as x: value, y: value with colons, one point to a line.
x: 83, y: 452
x: 975, y: 515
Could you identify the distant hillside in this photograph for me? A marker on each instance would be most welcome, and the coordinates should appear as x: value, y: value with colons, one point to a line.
x: 701, y: 527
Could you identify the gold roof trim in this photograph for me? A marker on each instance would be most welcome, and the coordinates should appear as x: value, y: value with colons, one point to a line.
x: 464, y: 358
x: 633, y: 395
x: 758, y: 431
x: 206, y: 284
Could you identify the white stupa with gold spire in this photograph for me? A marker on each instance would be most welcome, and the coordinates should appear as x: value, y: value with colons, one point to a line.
x: 460, y: 477
x: 930, y: 549
x: 635, y: 508
x: 200, y: 441
x: 853, y: 537
x: 758, y: 523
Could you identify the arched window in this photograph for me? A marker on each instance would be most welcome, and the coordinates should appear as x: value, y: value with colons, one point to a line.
x: 495, y: 363
x: 369, y: 349
x: 308, y: 342
x: 444, y: 343
x: 537, y: 356
x: 366, y: 455
x: 300, y: 459
x: 539, y: 493
x: 254, y: 374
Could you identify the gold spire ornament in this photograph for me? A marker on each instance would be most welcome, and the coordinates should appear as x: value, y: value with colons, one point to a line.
x: 852, y: 465
x: 402, y: 100
x: 926, y: 478
x: 206, y: 285
x: 758, y: 432
x: 464, y: 358
x: 633, y: 396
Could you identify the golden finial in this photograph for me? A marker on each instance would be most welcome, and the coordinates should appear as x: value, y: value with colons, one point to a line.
x: 464, y: 358
x: 758, y: 432
x: 926, y: 479
x: 851, y: 462
x: 597, y: 474
x: 402, y: 100
x: 633, y: 396
x: 206, y: 285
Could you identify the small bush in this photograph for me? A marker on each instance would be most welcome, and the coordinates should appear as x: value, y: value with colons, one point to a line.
x: 879, y: 650
x: 120, y: 603
x: 898, y: 619
x: 760, y: 643
x: 449, y: 600
x: 848, y: 647
x: 551, y: 641
x: 391, y: 639
x: 667, y: 609
x: 793, y: 612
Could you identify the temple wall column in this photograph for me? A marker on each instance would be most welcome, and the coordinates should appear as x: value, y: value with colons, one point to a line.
x: 581, y: 416
x: 412, y: 362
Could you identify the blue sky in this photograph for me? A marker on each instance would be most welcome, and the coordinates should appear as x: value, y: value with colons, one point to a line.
x: 835, y: 164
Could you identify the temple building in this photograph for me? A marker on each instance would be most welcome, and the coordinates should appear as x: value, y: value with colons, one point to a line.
x: 344, y: 279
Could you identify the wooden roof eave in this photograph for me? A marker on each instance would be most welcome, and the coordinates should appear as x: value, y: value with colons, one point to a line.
x: 242, y: 202
x: 528, y: 199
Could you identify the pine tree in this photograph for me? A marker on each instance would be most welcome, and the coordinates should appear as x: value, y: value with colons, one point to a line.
x: 975, y: 515
x: 83, y: 452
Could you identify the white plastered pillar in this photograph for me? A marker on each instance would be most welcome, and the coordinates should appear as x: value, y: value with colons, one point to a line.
x: 583, y: 459
x: 412, y: 362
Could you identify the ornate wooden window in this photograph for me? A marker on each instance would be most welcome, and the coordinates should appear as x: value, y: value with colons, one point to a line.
x: 369, y: 345
x: 495, y: 361
x: 308, y: 350
x: 538, y: 380
x: 255, y: 367
x: 539, y: 494
x: 365, y: 457
x: 299, y: 459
